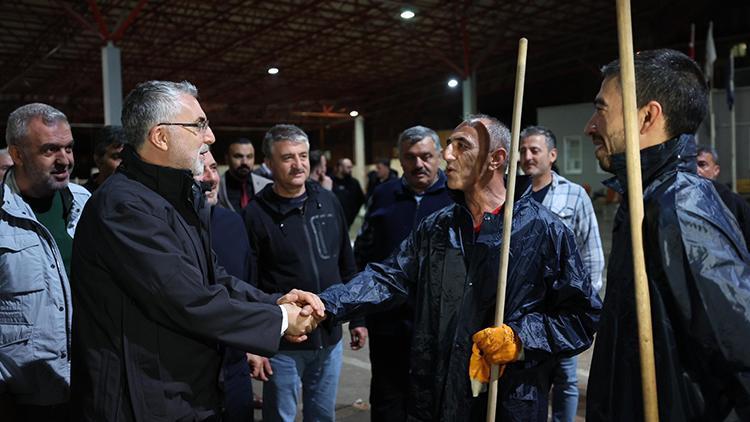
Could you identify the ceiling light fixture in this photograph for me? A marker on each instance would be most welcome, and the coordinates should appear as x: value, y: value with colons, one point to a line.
x: 354, y: 113
x: 452, y: 83
x: 273, y: 70
x: 407, y: 14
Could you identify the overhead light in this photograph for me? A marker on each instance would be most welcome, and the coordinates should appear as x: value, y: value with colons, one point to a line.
x: 452, y: 83
x: 354, y: 113
x: 407, y: 14
x: 273, y: 70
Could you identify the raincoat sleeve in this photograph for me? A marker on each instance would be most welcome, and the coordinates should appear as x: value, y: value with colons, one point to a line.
x: 379, y: 287
x: 565, y: 326
x: 716, y: 309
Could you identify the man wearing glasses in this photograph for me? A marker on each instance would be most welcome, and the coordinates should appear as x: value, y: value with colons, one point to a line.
x: 154, y: 310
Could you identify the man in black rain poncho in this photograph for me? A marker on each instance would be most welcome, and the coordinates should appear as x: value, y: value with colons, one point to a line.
x: 696, y: 259
x: 447, y: 269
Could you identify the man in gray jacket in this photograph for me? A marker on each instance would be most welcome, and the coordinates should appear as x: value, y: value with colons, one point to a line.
x: 40, y: 210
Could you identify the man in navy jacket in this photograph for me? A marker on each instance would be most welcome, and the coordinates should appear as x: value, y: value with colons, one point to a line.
x: 395, y: 208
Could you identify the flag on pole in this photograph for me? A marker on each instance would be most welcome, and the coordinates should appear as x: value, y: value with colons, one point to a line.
x: 730, y: 82
x: 691, y: 45
x: 710, y: 54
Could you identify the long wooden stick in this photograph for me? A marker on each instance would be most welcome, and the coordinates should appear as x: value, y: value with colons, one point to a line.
x: 502, y: 280
x: 635, y: 204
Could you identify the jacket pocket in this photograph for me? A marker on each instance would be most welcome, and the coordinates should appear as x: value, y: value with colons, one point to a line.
x: 21, y: 265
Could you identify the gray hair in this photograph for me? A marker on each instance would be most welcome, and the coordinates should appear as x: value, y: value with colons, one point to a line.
x: 151, y: 103
x: 415, y: 134
x: 549, y: 137
x: 19, y: 119
x: 499, y: 133
x: 706, y: 149
x: 280, y: 133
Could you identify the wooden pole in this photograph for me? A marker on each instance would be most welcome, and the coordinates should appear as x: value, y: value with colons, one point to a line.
x: 635, y: 204
x: 508, y: 216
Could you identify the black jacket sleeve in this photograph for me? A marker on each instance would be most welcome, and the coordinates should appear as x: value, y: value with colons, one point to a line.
x: 378, y: 288
x: 169, y: 287
x: 573, y: 305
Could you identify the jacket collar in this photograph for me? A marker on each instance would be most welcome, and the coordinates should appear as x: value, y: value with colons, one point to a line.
x: 436, y: 187
x: 280, y: 205
x: 175, y: 185
x: 675, y: 154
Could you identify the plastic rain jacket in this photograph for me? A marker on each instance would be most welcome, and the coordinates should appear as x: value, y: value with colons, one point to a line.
x: 449, y: 273
x: 699, y: 281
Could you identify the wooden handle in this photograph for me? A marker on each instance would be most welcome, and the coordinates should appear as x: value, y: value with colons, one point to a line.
x: 502, y: 279
x: 635, y: 204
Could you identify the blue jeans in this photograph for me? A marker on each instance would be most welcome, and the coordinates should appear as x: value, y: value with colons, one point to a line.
x: 565, y: 390
x: 319, y: 371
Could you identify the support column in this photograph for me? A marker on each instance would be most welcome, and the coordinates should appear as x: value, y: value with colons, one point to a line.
x: 112, y: 84
x: 468, y: 87
x: 359, y: 151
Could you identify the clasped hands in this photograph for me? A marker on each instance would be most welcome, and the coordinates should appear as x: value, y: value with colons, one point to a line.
x: 305, y: 311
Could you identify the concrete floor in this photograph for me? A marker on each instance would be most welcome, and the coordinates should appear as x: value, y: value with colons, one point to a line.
x: 352, y: 402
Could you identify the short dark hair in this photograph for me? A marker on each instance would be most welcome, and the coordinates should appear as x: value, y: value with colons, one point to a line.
x: 673, y: 80
x: 241, y: 141
x: 384, y: 161
x: 549, y: 137
x: 705, y: 149
x: 316, y: 156
x: 110, y: 136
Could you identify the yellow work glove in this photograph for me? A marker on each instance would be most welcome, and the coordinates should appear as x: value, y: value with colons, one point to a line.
x: 479, y: 371
x: 499, y: 345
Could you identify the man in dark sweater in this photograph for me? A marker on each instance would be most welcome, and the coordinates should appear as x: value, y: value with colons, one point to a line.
x: 300, y: 236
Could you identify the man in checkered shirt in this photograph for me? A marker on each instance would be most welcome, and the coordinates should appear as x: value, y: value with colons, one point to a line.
x: 572, y: 204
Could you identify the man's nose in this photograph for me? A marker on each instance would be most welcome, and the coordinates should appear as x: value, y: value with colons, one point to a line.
x: 590, y: 127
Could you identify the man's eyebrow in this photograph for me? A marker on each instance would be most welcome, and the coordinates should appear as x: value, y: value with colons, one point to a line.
x: 599, y: 101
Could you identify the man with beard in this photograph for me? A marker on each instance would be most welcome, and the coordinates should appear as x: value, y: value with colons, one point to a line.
x: 40, y: 211
x: 572, y: 204
x: 298, y: 232
x: 447, y: 268
x: 347, y: 190
x: 239, y: 184
x: 153, y: 308
x: 229, y: 243
x: 697, y: 264
x: 394, y: 209
x: 106, y: 155
x: 5, y: 162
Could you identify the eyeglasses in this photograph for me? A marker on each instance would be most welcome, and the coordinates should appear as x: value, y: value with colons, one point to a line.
x: 201, y: 125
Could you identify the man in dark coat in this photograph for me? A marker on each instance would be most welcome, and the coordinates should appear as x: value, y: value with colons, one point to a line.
x: 708, y: 167
x: 301, y: 240
x: 152, y: 307
x: 347, y: 190
x: 447, y: 268
x: 696, y: 261
x: 229, y: 243
x: 394, y: 210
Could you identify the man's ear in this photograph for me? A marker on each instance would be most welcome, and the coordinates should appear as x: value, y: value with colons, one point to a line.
x: 553, y: 154
x: 651, y: 117
x: 15, y: 155
x: 158, y: 137
x: 498, y: 159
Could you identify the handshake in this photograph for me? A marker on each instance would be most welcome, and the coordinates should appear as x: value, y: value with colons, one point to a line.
x: 305, y: 311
